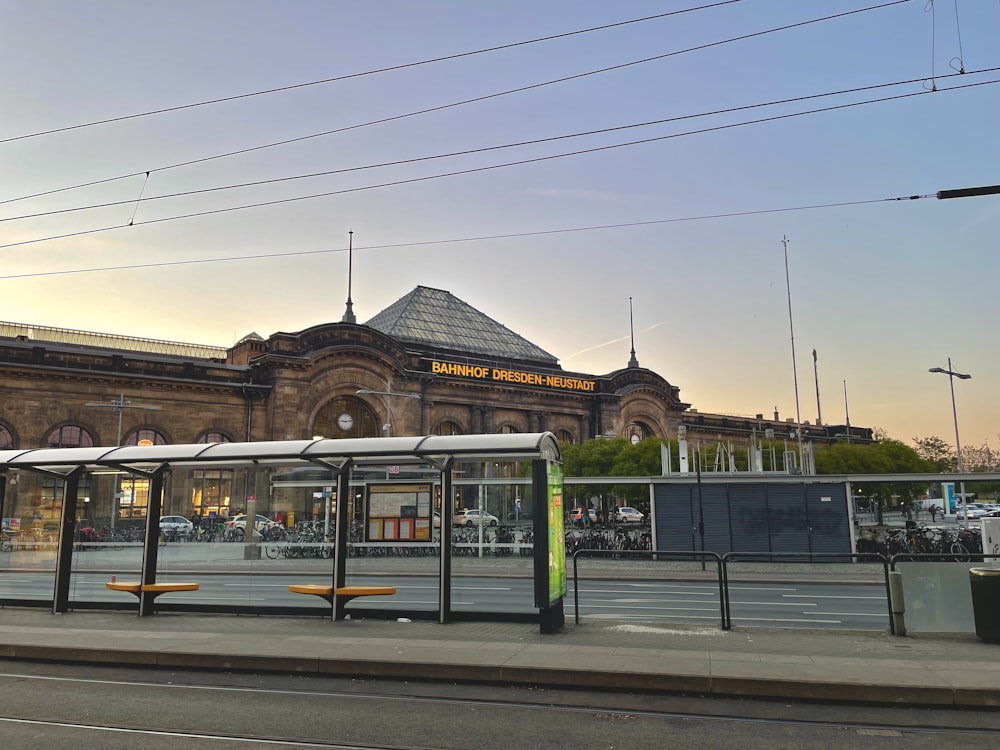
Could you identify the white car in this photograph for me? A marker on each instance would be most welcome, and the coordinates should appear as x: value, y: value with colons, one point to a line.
x: 176, y: 523
x: 628, y: 515
x: 472, y: 516
x: 971, y: 511
x: 262, y: 522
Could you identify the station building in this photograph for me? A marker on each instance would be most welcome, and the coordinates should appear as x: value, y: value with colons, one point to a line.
x: 428, y: 364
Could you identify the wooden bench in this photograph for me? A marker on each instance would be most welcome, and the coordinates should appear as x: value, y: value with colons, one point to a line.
x: 343, y: 594
x: 137, y: 588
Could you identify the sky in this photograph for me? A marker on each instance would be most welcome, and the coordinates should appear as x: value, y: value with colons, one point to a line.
x: 636, y: 179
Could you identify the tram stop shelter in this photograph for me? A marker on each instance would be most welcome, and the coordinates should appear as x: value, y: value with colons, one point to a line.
x: 435, y: 452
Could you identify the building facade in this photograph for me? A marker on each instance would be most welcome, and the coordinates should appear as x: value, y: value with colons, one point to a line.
x: 427, y: 364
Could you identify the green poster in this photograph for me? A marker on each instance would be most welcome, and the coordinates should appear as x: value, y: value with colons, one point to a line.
x: 557, y: 534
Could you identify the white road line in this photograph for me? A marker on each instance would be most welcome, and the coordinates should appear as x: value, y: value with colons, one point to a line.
x: 831, y: 596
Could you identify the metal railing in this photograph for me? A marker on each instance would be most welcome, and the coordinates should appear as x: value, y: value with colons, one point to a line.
x: 655, y: 556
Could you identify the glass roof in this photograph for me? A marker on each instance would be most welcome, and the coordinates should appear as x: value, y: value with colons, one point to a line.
x: 436, y: 318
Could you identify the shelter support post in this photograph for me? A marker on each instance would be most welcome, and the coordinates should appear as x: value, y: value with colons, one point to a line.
x: 151, y: 548
x: 447, y: 514
x: 341, y: 524
x: 67, y: 536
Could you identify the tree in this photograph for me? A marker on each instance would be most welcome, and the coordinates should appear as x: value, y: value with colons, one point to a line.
x: 937, y: 451
x: 885, y: 457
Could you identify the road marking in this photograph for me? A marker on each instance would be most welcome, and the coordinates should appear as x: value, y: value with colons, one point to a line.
x: 830, y: 596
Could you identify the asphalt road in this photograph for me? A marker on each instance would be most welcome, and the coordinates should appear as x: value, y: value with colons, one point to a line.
x: 839, y: 606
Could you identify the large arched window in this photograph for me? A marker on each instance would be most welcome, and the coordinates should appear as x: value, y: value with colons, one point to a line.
x: 69, y: 436
x: 447, y: 428
x: 145, y: 436
x: 346, y: 417
x: 6, y: 438
x: 507, y: 429
x: 213, y: 436
x: 211, y: 489
x: 565, y: 436
x: 50, y: 490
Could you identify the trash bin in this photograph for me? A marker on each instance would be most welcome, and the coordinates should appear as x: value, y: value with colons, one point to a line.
x: 985, y: 583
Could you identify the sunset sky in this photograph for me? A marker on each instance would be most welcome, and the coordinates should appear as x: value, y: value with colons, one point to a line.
x: 542, y: 176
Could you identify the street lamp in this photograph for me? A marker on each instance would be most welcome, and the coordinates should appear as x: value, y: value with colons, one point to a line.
x: 388, y: 394
x: 120, y: 405
x: 954, y: 412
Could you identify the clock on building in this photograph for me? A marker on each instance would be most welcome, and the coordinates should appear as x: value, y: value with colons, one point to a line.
x: 345, y: 421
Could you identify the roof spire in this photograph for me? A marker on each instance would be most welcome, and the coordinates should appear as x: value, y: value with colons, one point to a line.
x: 633, y: 362
x: 349, y: 312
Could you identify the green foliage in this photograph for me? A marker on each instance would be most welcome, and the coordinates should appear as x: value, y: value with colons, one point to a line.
x: 884, y: 457
x: 937, y: 451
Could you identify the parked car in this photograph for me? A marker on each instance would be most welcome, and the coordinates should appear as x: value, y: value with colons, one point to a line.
x: 472, y: 516
x: 584, y: 515
x: 970, y: 511
x: 626, y: 514
x: 262, y: 522
x: 176, y: 523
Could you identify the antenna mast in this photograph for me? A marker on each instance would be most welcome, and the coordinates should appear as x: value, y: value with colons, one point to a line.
x: 633, y: 362
x: 349, y: 312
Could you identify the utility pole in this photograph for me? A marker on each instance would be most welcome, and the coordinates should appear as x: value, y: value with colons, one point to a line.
x: 795, y: 372
x: 819, y: 412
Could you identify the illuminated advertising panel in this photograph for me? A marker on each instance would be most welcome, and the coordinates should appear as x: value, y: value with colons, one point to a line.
x: 557, y: 533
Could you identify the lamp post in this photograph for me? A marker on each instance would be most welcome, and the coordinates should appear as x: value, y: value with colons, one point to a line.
x: 388, y: 393
x: 954, y: 412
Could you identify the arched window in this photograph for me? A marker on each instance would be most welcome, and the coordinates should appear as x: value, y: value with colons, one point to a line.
x: 69, y: 436
x: 565, y: 436
x: 636, y: 432
x: 346, y: 417
x: 213, y: 437
x: 6, y: 438
x: 507, y: 429
x: 211, y: 489
x: 447, y: 428
x: 145, y: 436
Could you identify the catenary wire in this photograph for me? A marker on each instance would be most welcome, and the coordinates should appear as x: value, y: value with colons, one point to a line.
x: 485, y: 238
x: 404, y: 66
x: 485, y: 149
x: 486, y: 97
x: 474, y: 170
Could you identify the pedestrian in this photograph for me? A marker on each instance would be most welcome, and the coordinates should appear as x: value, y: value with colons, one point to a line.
x: 933, y: 511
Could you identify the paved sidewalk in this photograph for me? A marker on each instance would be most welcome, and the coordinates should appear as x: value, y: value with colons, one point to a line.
x: 606, y: 655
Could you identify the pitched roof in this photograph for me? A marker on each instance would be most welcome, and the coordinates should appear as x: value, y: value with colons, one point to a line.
x: 436, y: 318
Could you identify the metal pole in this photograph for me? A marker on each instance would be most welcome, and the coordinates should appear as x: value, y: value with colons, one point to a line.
x: 795, y: 372
x: 701, y: 507
x: 954, y: 412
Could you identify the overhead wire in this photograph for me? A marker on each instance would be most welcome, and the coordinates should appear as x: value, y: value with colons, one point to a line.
x: 486, y: 168
x: 388, y: 69
x: 450, y: 105
x: 456, y: 240
x: 486, y: 149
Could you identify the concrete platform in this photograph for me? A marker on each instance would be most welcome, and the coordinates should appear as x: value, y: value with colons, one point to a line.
x: 821, y: 665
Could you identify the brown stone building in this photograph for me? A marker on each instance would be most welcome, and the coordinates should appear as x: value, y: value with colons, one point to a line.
x: 427, y: 364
